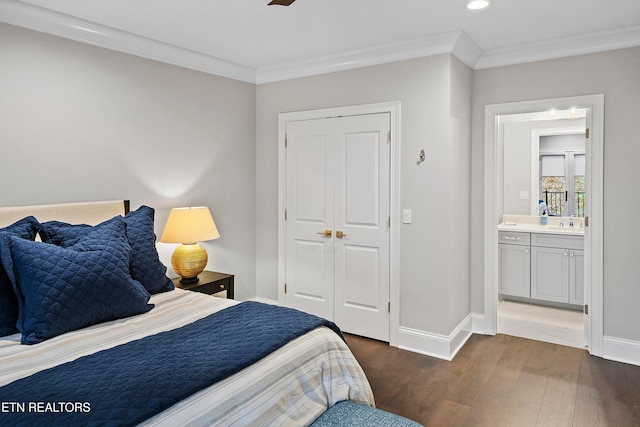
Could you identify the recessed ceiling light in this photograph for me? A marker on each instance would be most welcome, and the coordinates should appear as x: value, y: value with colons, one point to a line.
x: 478, y: 4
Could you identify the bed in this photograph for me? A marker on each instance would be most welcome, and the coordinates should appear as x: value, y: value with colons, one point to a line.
x: 155, y: 355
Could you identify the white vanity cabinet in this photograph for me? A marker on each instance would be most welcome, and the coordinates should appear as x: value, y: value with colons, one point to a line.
x: 557, y: 268
x: 514, y: 263
x: 541, y: 266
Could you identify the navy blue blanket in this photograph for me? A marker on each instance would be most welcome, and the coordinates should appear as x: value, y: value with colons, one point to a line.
x: 129, y: 383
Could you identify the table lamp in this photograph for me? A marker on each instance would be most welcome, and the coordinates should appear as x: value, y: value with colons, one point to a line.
x: 188, y: 226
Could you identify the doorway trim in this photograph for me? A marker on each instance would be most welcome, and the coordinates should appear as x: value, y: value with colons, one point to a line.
x: 594, y: 243
x: 393, y: 108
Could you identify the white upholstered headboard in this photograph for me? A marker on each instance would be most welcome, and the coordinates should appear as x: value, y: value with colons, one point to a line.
x: 91, y: 213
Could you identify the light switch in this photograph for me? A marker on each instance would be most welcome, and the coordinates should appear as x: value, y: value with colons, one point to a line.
x: 406, y: 216
x: 524, y: 195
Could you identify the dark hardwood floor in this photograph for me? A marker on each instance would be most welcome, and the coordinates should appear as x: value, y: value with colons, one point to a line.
x: 502, y: 381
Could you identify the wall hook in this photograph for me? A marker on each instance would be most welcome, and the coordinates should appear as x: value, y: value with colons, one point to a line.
x: 421, y: 157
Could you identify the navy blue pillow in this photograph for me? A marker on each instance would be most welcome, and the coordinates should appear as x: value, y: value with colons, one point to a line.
x: 64, y: 289
x: 26, y: 228
x: 146, y: 266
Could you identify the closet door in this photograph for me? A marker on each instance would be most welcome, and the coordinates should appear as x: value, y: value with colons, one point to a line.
x: 310, y: 222
x: 361, y: 199
x: 338, y: 182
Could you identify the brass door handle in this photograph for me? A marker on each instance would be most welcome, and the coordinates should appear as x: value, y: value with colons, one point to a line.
x: 340, y: 234
x: 325, y: 233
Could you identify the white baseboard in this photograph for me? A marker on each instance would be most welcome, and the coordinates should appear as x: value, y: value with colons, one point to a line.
x: 621, y: 350
x: 478, y: 324
x: 435, y: 345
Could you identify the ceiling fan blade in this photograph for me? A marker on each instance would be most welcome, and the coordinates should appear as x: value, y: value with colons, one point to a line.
x: 281, y: 2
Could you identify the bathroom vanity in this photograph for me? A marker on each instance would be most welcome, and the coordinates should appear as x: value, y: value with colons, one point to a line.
x: 542, y: 263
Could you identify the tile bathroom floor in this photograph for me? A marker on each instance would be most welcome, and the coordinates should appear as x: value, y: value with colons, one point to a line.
x: 536, y: 322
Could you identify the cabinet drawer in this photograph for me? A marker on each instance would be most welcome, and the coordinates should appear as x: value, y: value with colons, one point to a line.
x: 514, y: 238
x: 214, y: 287
x: 557, y: 241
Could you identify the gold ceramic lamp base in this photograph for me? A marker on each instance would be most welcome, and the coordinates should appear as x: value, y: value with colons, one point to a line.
x: 189, y: 260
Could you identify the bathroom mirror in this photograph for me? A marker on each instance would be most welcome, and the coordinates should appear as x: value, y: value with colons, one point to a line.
x: 543, y: 158
x: 562, y: 174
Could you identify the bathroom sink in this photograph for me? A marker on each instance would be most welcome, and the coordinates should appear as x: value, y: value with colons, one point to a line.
x: 566, y: 229
x: 552, y: 226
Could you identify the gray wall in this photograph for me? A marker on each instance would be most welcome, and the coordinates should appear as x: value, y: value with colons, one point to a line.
x: 434, y: 93
x: 616, y: 74
x: 81, y: 123
x: 459, y: 212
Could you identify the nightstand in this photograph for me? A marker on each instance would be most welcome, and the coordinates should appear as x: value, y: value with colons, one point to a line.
x: 210, y: 282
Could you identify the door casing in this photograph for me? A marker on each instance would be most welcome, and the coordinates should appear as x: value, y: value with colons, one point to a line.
x: 594, y: 243
x: 393, y: 108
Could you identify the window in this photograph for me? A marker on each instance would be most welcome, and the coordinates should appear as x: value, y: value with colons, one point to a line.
x: 553, y: 183
x: 579, y: 173
x: 562, y: 182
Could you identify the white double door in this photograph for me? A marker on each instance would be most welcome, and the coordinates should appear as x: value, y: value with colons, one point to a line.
x: 337, y: 227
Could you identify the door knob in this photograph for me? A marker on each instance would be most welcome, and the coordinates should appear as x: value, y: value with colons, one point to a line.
x: 325, y: 233
x: 340, y: 234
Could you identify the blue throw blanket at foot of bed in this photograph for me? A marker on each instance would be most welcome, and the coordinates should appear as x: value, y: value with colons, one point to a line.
x: 127, y: 384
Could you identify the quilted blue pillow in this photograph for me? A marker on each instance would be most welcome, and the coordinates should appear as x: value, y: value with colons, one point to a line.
x: 26, y: 228
x: 64, y: 289
x: 146, y: 266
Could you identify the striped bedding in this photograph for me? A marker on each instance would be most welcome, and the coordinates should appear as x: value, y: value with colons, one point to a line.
x: 292, y: 386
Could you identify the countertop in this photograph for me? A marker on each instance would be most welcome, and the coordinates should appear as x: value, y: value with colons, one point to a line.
x: 538, y: 228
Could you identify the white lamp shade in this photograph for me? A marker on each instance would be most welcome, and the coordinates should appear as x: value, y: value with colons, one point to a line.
x: 189, y: 225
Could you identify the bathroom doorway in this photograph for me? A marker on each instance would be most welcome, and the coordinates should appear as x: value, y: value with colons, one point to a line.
x: 495, y: 116
x: 542, y: 171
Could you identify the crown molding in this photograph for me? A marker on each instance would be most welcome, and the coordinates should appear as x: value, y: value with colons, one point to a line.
x: 466, y: 50
x: 44, y: 20
x: 577, y: 45
x: 456, y: 42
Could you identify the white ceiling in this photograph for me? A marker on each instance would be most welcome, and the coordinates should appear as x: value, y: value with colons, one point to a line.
x: 248, y: 40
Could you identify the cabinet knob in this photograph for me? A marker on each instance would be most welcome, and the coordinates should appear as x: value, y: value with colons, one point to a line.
x: 526, y: 251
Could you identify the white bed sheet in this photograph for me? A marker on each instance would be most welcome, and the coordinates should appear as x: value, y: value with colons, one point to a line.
x: 292, y: 386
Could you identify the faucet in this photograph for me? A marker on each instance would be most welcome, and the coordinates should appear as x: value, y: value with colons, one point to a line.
x: 560, y: 224
x: 571, y: 222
